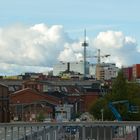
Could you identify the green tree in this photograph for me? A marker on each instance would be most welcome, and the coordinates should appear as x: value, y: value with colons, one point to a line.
x: 40, y: 117
x: 121, y: 90
x: 100, y: 104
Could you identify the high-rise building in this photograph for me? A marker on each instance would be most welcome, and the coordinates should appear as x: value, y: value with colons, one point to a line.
x: 106, y: 71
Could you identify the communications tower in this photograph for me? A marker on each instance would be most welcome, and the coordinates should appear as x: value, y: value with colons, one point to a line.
x: 85, y: 45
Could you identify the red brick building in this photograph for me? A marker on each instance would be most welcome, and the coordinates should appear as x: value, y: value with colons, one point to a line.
x: 26, y: 104
x: 89, y: 99
x: 81, y: 99
x: 80, y: 93
x: 136, y: 71
x: 4, y: 104
x: 33, y: 84
x: 128, y: 73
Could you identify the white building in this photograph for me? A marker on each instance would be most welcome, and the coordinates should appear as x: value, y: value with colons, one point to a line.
x: 92, y: 70
x: 58, y: 68
x: 63, y: 112
x: 106, y: 71
x: 70, y: 66
x: 103, y: 71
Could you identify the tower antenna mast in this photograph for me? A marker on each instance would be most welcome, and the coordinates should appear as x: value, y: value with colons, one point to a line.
x: 85, y: 44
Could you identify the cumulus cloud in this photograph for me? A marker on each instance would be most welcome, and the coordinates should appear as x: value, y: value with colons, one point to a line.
x: 31, y: 46
x: 110, y: 39
x: 39, y: 47
x: 123, y: 49
x: 72, y: 52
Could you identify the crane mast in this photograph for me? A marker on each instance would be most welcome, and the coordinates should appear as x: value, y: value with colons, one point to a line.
x: 99, y: 56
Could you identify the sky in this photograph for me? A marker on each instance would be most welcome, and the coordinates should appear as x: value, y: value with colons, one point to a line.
x: 37, y: 34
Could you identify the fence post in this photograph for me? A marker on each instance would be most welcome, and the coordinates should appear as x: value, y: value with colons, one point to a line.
x: 83, y: 132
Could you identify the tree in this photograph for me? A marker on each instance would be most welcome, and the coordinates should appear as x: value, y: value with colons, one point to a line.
x: 100, y: 104
x: 40, y: 117
x: 121, y: 90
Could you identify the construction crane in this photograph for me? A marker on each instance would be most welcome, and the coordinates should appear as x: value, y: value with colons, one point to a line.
x: 99, y: 56
x: 130, y: 108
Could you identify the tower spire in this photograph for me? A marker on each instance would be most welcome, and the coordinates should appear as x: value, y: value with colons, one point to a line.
x: 85, y: 44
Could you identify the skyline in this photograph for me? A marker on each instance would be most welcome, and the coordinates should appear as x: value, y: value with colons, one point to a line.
x: 35, y: 35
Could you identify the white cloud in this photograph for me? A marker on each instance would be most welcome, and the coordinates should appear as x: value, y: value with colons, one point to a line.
x: 123, y: 49
x: 39, y: 47
x: 72, y: 52
x: 110, y: 39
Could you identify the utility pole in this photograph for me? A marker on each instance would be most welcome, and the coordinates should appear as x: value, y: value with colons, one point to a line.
x: 102, y: 114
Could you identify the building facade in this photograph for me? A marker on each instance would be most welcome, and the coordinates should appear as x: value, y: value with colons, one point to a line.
x: 128, y: 73
x: 92, y: 71
x: 77, y: 67
x: 4, y: 104
x: 136, y: 71
x: 27, y: 104
x: 106, y: 71
x: 63, y: 112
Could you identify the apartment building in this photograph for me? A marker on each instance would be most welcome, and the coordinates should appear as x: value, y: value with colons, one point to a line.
x: 106, y: 71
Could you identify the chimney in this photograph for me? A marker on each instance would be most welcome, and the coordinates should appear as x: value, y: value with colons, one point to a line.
x: 68, y: 66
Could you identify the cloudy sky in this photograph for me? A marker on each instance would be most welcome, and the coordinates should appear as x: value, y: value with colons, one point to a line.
x: 36, y: 34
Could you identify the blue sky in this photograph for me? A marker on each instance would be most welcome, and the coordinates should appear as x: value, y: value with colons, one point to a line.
x: 74, y: 16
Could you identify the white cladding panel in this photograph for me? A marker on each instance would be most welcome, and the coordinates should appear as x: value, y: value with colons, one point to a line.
x: 110, y: 71
x: 92, y: 70
x: 59, y: 68
x: 73, y: 66
x: 77, y: 67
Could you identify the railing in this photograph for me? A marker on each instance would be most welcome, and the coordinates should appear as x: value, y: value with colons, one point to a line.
x: 103, y: 130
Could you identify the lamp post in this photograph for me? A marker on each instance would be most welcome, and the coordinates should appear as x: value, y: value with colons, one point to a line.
x: 102, y: 114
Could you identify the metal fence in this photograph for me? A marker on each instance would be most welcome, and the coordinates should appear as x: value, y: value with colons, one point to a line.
x: 103, y: 130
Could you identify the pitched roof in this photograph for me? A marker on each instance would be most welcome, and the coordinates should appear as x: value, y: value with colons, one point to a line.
x: 1, y: 84
x: 27, y: 96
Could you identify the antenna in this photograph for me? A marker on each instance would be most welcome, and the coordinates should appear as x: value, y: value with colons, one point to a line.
x: 85, y: 44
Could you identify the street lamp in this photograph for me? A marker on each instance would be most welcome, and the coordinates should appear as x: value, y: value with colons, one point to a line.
x: 102, y: 114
